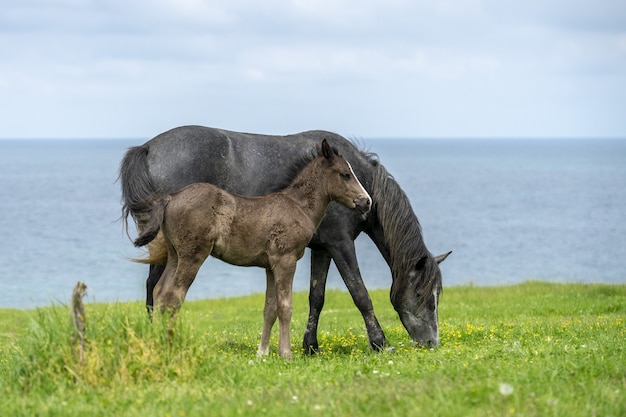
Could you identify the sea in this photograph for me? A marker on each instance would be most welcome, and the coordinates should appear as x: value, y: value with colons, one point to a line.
x: 510, y: 210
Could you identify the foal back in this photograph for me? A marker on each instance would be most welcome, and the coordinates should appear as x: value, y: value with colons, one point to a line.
x: 203, y: 219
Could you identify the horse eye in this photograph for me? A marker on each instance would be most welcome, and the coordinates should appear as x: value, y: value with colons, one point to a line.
x: 345, y: 175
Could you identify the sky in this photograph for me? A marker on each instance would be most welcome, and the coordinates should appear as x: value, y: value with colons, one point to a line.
x: 361, y: 68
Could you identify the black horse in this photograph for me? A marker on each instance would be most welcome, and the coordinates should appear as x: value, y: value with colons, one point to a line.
x: 253, y: 164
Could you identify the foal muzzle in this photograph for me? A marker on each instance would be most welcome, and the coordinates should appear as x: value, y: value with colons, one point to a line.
x: 363, y: 204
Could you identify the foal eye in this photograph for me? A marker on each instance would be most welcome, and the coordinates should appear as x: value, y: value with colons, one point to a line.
x: 345, y: 175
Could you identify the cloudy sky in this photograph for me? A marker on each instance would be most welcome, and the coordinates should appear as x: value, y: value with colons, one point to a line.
x: 362, y: 68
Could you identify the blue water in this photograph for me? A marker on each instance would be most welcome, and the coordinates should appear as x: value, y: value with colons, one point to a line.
x: 510, y: 210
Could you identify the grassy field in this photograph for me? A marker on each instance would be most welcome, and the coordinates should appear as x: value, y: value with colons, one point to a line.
x: 534, y: 349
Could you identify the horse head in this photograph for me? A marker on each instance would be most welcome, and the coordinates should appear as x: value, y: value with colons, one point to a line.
x: 416, y: 300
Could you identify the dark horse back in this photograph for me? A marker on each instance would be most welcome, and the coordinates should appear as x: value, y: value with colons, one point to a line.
x: 241, y: 163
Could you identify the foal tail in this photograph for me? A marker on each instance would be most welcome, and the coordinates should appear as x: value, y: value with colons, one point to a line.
x: 153, y: 226
x: 152, y: 236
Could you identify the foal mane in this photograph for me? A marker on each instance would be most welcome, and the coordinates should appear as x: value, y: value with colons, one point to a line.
x: 296, y: 168
x: 403, y: 236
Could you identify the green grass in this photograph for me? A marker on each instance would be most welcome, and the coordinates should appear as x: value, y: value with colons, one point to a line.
x: 534, y: 349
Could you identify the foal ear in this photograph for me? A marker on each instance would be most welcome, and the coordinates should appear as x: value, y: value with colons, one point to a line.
x: 326, y: 151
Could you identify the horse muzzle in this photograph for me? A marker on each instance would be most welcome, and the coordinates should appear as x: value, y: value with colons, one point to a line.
x: 422, y: 333
x: 363, y: 204
x: 428, y: 344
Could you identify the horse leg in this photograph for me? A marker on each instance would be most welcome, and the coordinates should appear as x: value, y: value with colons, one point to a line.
x: 270, y: 313
x: 156, y: 271
x: 320, y: 262
x: 283, y: 276
x: 344, y: 257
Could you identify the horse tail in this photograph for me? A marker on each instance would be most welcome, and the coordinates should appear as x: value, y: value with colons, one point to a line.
x: 137, y: 186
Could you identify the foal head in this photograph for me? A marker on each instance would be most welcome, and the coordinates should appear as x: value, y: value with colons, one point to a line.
x: 342, y: 185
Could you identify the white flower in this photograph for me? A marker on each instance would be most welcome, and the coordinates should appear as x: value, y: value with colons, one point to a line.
x: 506, y: 389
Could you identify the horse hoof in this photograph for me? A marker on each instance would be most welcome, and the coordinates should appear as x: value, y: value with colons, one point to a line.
x: 378, y: 347
x: 311, y: 350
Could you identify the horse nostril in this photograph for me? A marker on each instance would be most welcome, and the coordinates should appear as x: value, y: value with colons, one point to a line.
x: 432, y: 343
x: 427, y: 344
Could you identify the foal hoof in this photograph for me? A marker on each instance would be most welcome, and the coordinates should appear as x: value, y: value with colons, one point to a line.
x: 286, y: 356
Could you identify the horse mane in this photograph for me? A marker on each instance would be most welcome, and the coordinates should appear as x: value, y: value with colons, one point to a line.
x: 403, y: 236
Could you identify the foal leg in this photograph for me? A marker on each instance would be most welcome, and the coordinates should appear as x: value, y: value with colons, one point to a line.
x: 283, y: 275
x: 270, y: 313
x: 164, y: 284
x: 170, y: 293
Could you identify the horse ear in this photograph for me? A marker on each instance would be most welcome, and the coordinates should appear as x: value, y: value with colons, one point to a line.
x: 439, y: 259
x: 326, y: 151
x: 421, y: 262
